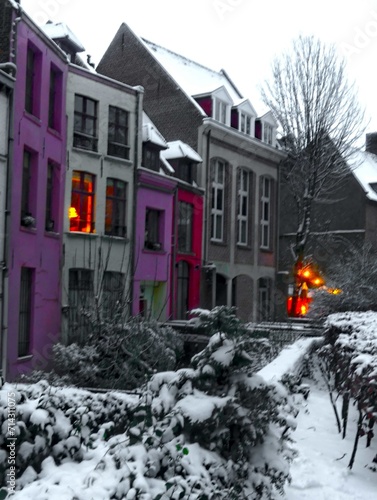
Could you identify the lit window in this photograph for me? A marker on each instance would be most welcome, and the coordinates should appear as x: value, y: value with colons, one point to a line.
x: 243, y: 207
x: 115, y: 217
x: 265, y: 213
x: 25, y: 309
x: 81, y: 211
x: 85, y: 124
x: 217, y: 202
x: 118, y: 133
x: 185, y: 226
x: 153, y: 222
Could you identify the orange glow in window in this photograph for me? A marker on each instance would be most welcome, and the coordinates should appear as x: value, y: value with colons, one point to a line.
x: 72, y: 213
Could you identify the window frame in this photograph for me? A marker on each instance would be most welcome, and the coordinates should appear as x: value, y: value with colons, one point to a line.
x: 221, y: 111
x: 185, y: 226
x: 25, y: 323
x: 28, y: 188
x: 83, y: 117
x: 154, y: 241
x: 217, y: 214
x: 82, y: 192
x: 113, y: 145
x: 52, y: 194
x: 265, y: 219
x: 268, y: 133
x: 243, y: 194
x: 245, y: 123
x: 32, y: 80
x: 119, y: 206
x: 55, y: 98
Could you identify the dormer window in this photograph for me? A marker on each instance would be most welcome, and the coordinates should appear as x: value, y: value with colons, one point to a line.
x: 267, y: 133
x: 220, y: 111
x: 245, y: 123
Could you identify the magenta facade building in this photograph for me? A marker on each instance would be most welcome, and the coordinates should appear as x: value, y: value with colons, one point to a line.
x: 34, y: 246
x: 154, y: 245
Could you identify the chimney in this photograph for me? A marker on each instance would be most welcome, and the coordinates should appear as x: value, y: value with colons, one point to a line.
x: 371, y: 143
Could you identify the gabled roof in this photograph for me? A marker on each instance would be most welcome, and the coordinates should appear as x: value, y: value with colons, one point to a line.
x: 364, y: 168
x: 194, y: 78
x: 179, y: 149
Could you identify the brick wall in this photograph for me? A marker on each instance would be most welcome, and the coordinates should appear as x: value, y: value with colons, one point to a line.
x: 129, y: 61
x: 5, y: 30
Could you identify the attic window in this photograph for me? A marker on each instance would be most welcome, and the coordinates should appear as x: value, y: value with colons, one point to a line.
x: 245, y: 123
x: 220, y: 111
x: 267, y: 133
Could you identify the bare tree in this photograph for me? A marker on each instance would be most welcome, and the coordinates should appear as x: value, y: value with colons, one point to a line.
x: 320, y: 120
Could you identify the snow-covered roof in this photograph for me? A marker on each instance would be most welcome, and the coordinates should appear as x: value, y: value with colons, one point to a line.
x: 179, y: 149
x: 60, y: 31
x: 150, y: 133
x: 364, y: 168
x: 194, y: 78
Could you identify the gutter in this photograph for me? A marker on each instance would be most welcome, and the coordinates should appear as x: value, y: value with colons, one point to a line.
x: 138, y: 136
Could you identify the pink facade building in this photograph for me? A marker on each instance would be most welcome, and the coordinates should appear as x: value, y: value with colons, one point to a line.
x: 36, y: 184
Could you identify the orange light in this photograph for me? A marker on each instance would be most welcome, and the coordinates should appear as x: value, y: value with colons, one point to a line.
x: 306, y: 274
x: 303, y: 309
x: 72, y: 213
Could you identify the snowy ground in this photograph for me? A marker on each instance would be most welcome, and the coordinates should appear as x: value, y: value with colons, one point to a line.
x: 319, y: 472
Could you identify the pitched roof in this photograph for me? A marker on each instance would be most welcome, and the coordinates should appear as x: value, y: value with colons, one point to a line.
x: 60, y: 31
x: 179, y: 149
x: 364, y: 168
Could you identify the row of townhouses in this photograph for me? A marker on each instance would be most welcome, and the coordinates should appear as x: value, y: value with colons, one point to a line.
x: 150, y: 182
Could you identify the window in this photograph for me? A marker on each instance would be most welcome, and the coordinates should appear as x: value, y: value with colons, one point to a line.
x: 217, y: 205
x: 55, y: 99
x: 151, y: 158
x: 220, y: 111
x: 81, y: 211
x: 25, y: 311
x: 28, y: 190
x: 112, y: 293
x: 115, y: 216
x: 186, y: 171
x: 185, y: 211
x: 52, y: 197
x: 80, y: 301
x: 85, y: 125
x: 245, y: 124
x: 243, y: 207
x: 153, y: 219
x: 32, y: 82
x: 267, y: 133
x: 265, y: 212
x: 264, y: 299
x: 118, y: 133
x: 183, y: 290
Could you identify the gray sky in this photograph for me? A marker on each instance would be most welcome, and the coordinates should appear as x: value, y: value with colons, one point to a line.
x: 241, y: 36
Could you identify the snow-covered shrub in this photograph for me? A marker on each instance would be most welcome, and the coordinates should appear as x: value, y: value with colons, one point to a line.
x: 59, y: 423
x: 121, y: 356
x: 350, y: 358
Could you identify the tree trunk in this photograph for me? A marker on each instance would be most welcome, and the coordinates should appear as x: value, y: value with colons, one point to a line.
x: 345, y: 407
x: 357, y: 437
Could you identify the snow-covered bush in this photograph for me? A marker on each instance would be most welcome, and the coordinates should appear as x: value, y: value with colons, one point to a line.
x: 214, y: 430
x: 115, y: 355
x: 350, y: 358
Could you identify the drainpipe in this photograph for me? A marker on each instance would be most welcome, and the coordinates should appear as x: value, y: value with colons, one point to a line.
x: 138, y: 122
x: 173, y: 302
x: 4, y: 250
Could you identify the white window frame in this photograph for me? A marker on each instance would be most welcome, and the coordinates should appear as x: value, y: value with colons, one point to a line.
x: 243, y: 196
x: 245, y: 123
x: 217, y: 214
x: 265, y: 220
x: 267, y: 133
x: 221, y: 111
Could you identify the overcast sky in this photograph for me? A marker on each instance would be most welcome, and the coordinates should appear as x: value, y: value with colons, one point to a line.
x: 241, y: 36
